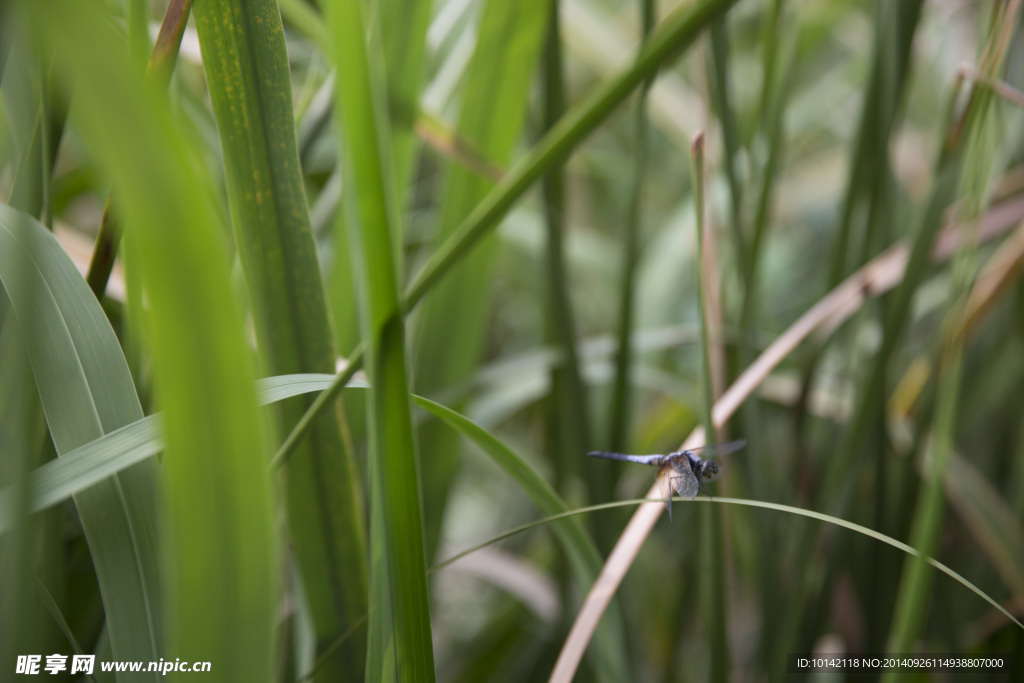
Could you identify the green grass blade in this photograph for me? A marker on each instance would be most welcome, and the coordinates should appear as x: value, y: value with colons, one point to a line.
x: 494, y: 103
x: 23, y: 445
x: 911, y: 607
x: 219, y: 552
x: 915, y: 584
x: 810, y: 514
x: 89, y: 464
x: 86, y: 391
x: 403, y: 36
x: 247, y: 72
x: 36, y: 114
x: 400, y: 645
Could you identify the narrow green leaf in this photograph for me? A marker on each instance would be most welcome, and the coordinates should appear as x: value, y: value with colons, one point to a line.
x: 86, y: 391
x: 911, y: 607
x: 723, y: 103
x: 568, y: 422
x: 246, y: 68
x: 400, y: 644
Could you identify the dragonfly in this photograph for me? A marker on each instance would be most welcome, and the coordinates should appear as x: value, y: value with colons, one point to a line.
x: 685, y: 470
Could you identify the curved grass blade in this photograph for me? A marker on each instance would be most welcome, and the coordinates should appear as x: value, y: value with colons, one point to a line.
x: 86, y: 391
x: 820, y: 516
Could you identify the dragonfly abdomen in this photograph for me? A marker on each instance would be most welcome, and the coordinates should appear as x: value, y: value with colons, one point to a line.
x: 642, y: 459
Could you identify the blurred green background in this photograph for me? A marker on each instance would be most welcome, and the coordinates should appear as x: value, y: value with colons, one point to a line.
x: 487, y: 215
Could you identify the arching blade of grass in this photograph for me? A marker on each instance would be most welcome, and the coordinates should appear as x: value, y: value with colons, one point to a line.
x: 852, y: 526
x: 616, y: 566
x: 246, y: 68
x: 400, y: 644
x: 86, y: 391
x: 218, y: 546
x: 114, y: 452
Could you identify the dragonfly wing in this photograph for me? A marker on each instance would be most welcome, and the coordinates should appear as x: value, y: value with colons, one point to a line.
x: 683, y: 480
x: 713, y: 449
x: 665, y: 477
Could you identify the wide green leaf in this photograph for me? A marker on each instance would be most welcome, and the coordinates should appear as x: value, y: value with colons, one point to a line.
x: 86, y: 391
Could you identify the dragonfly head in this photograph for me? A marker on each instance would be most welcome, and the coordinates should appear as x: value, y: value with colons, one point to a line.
x: 708, y: 470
